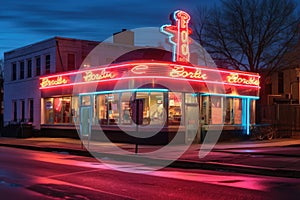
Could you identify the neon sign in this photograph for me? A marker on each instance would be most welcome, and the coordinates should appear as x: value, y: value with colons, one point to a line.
x: 45, y: 82
x: 139, y: 69
x: 198, y: 76
x: 236, y: 79
x: 91, y: 76
x: 178, y: 34
x: 180, y: 71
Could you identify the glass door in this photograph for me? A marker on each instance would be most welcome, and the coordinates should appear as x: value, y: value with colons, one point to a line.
x: 191, y: 122
x: 85, y: 121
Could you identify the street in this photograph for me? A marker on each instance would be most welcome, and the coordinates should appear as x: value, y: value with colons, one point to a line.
x: 26, y: 174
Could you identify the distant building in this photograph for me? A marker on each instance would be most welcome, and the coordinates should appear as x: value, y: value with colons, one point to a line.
x: 282, y: 87
x: 24, y: 66
x: 282, y: 84
x: 280, y: 96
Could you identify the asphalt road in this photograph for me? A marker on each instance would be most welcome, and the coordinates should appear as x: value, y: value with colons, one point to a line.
x: 26, y: 174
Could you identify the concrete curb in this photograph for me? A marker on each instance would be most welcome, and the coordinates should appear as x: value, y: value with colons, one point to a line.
x: 258, y: 153
x: 185, y: 164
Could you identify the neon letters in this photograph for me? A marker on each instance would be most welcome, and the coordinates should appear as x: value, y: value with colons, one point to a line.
x: 142, y: 70
x: 139, y: 69
x: 46, y: 82
x: 236, y: 79
x: 179, y: 71
x: 91, y: 76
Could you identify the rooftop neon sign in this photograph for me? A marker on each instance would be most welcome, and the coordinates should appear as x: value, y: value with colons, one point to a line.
x: 178, y: 34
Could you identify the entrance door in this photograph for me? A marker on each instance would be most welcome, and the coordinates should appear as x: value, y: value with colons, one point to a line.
x: 191, y: 123
x: 85, y: 121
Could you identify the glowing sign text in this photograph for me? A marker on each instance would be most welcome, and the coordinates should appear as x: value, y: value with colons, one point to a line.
x: 139, y: 69
x: 58, y: 81
x: 179, y: 71
x: 179, y: 35
x: 91, y: 76
x: 236, y: 79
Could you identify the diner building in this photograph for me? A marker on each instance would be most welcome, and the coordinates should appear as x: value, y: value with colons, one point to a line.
x: 176, y: 99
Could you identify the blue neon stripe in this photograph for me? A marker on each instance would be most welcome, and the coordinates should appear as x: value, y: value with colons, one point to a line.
x: 248, y: 117
x: 228, y: 95
x: 127, y: 90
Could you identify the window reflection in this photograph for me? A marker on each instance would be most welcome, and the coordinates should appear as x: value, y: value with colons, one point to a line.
x: 153, y: 111
x: 58, y: 110
x: 175, y: 108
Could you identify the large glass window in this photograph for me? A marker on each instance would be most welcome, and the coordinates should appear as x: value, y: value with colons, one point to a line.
x: 221, y: 110
x: 175, y: 108
x: 216, y: 109
x: 58, y: 110
x: 75, y: 109
x: 228, y: 110
x: 107, y: 109
x: 153, y: 112
x: 205, y: 110
x: 125, y: 108
x: 113, y: 108
x: 101, y: 109
x: 237, y: 107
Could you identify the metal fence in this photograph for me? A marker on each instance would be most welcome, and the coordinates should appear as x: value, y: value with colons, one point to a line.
x: 285, y: 117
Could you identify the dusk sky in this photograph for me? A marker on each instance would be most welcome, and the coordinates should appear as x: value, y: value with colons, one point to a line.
x: 25, y: 22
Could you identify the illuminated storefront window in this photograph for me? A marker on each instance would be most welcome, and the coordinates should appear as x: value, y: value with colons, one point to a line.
x: 153, y: 112
x: 175, y: 108
x: 125, y: 108
x: 221, y: 110
x: 58, y: 110
x: 113, y: 108
x: 228, y: 110
x: 107, y: 109
x: 75, y: 109
x: 216, y: 104
x: 237, y: 109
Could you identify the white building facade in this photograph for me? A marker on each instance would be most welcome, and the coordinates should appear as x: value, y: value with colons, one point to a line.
x: 24, y: 66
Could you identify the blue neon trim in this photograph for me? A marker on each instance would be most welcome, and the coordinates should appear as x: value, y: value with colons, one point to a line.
x: 228, y: 95
x: 170, y: 35
x: 127, y: 90
x: 248, y: 117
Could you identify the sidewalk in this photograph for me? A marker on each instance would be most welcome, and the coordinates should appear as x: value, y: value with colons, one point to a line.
x: 253, y: 157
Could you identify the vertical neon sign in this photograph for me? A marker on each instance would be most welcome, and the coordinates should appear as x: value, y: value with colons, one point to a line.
x: 178, y: 34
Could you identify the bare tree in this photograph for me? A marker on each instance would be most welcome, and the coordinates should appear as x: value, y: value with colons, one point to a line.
x: 250, y: 35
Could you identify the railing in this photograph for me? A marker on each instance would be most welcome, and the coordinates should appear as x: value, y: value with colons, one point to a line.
x: 263, y: 131
x: 284, y: 117
x: 17, y: 128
